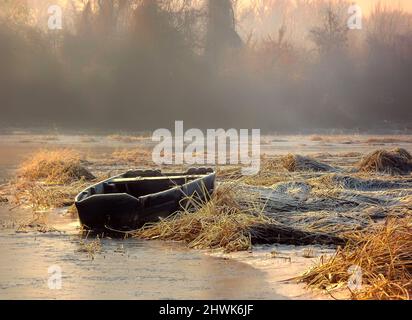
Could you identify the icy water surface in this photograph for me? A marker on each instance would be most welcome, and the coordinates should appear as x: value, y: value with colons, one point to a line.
x: 124, y: 269
x: 132, y: 269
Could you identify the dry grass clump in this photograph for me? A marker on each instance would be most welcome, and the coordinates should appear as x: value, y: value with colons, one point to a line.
x: 316, y: 138
x: 56, y: 166
x: 3, y: 199
x: 91, y: 247
x: 309, y: 253
x: 334, y: 138
x: 221, y: 223
x: 37, y: 222
x: 50, y: 179
x: 294, y: 163
x: 395, y: 162
x: 270, y: 164
x: 229, y: 172
x: 43, y: 197
x: 232, y: 221
x: 139, y: 156
x: 271, y: 172
x: 383, y: 254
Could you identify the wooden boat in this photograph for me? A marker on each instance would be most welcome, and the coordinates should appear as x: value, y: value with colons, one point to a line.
x: 130, y: 200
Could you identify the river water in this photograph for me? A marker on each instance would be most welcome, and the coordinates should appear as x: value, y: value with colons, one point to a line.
x: 124, y: 269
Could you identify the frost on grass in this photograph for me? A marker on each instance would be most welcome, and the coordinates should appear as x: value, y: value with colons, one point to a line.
x: 382, y: 253
x: 300, y: 163
x: 232, y: 221
x: 57, y: 166
x: 395, y: 162
x: 50, y: 179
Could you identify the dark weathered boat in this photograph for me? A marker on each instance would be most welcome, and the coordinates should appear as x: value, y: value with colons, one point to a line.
x: 130, y: 200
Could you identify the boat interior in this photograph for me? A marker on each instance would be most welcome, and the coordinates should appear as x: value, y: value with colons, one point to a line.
x: 141, y: 186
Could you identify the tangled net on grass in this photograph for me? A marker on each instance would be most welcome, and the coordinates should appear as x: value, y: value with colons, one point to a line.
x: 294, y: 163
x: 395, y: 162
x: 383, y: 254
x: 55, y: 167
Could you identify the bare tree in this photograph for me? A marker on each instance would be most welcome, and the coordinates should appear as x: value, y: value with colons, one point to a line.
x: 221, y: 28
x: 332, y: 35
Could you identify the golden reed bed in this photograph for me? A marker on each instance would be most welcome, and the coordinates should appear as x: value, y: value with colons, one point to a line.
x: 311, y: 202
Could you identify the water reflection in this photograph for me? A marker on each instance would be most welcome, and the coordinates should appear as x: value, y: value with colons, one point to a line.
x: 124, y: 269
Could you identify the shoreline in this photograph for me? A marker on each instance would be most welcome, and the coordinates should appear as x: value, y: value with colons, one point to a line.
x: 282, y: 264
x: 303, y: 198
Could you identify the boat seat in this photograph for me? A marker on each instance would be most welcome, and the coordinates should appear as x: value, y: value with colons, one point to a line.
x: 154, y: 179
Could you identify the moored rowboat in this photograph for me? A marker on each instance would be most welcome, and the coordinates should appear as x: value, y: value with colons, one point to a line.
x: 128, y: 201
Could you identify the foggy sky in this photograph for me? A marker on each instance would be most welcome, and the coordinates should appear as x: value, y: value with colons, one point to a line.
x: 146, y: 68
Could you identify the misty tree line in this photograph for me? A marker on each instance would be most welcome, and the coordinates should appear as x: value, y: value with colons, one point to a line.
x: 142, y: 64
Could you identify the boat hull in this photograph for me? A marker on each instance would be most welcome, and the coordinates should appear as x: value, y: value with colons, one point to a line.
x: 103, y: 207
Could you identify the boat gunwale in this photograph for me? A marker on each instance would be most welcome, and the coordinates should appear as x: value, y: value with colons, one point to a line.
x: 141, y: 197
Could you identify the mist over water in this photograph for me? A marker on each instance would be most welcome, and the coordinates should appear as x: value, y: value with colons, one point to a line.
x: 141, y: 65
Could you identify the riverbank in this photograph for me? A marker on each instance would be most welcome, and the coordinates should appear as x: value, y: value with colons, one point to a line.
x: 332, y: 200
x: 282, y: 264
